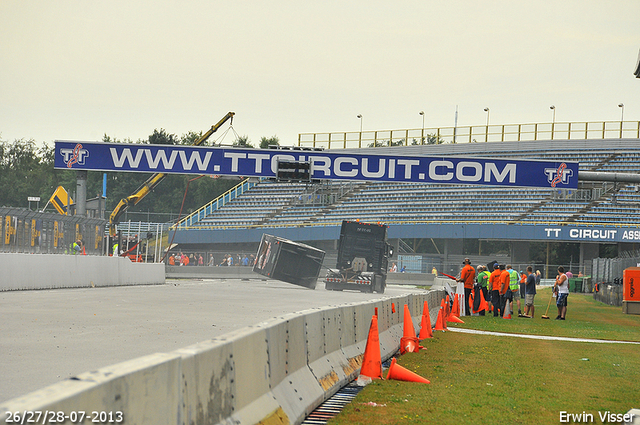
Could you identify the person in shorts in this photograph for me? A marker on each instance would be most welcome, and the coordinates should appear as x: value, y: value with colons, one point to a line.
x: 562, y: 290
x: 530, y: 293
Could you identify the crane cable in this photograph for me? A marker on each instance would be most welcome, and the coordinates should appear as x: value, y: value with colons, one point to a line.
x: 219, y: 140
x: 222, y: 136
x: 179, y: 216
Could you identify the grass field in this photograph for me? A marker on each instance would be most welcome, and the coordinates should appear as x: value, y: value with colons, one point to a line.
x: 481, y: 379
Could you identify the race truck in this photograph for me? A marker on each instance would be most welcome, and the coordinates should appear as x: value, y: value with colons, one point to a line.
x: 363, y: 257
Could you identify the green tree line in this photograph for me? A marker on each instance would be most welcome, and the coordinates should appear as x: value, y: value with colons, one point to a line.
x: 26, y: 170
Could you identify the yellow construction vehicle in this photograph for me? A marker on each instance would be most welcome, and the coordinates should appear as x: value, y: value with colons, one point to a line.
x: 154, y: 180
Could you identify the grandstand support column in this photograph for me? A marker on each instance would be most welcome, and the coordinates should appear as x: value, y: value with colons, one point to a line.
x: 453, y: 248
x: 588, y: 251
x: 520, y: 252
x: 81, y: 193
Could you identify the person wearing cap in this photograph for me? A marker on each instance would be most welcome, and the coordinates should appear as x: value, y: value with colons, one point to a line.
x: 468, y: 277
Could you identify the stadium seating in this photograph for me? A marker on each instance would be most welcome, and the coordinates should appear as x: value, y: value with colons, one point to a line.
x: 271, y: 204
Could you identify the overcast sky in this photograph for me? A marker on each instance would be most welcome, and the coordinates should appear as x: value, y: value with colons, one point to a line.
x: 77, y: 69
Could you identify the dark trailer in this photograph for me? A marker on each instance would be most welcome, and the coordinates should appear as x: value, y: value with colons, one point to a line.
x: 289, y: 261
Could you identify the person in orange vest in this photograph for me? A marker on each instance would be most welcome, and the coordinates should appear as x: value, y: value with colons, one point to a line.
x: 468, y: 277
x: 495, y: 284
x: 505, y: 292
x: 172, y: 260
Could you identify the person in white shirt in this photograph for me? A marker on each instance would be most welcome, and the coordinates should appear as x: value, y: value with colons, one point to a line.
x: 561, y: 288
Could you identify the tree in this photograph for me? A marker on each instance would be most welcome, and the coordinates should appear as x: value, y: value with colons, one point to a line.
x: 243, y: 142
x: 25, y: 170
x: 271, y: 141
x: 190, y: 138
x: 163, y: 138
x: 384, y: 143
x: 431, y: 139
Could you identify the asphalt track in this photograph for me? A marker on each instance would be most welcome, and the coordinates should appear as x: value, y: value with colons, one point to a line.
x: 50, y: 335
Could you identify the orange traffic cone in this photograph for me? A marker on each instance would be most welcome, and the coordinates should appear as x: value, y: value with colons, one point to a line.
x: 393, y: 307
x: 400, y: 373
x: 376, y: 312
x: 507, y: 311
x: 425, y: 325
x: 372, y: 361
x: 408, y: 342
x: 447, y: 307
x: 441, y: 324
x: 452, y: 317
x: 456, y: 305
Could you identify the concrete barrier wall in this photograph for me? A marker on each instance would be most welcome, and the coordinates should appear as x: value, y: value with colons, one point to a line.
x: 276, y: 372
x: 243, y: 272
x: 48, y: 271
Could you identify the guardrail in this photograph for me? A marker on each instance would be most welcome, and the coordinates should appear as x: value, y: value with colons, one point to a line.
x: 274, y: 372
x: 214, y: 205
x: 130, y: 228
x: 472, y: 134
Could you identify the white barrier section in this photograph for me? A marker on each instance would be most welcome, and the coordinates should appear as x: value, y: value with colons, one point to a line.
x: 48, y: 271
x: 325, y: 359
x: 140, y: 391
x: 353, y: 337
x: 207, y: 382
x: 293, y: 384
x: 275, y: 372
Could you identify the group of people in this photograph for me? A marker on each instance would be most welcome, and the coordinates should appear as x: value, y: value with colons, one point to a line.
x: 394, y: 268
x: 503, y: 285
x: 182, y: 259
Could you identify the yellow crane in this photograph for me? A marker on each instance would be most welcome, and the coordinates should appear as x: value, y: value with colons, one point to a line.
x: 154, y: 180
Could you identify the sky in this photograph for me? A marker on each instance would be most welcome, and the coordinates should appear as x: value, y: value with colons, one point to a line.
x: 77, y: 69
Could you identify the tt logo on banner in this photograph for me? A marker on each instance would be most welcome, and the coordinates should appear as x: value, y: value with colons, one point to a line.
x: 77, y: 155
x: 559, y: 175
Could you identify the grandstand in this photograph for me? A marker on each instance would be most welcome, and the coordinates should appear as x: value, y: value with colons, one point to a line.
x: 312, y: 212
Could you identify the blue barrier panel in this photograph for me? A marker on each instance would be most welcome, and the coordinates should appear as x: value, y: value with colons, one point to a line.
x: 324, y: 165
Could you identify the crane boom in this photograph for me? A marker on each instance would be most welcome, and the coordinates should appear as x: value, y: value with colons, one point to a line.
x: 155, y: 179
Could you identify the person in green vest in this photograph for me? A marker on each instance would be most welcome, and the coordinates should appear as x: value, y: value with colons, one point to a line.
x: 75, y: 248
x: 483, y: 282
x: 514, y: 286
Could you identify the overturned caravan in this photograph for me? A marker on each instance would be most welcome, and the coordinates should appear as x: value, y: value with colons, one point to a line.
x: 288, y: 261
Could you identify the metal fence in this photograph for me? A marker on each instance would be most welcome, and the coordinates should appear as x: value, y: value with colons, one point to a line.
x: 35, y: 232
x: 610, y: 270
x: 472, y: 134
x: 608, y: 274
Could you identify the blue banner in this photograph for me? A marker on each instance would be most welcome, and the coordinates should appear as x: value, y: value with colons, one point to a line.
x: 330, y: 165
x: 588, y: 233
